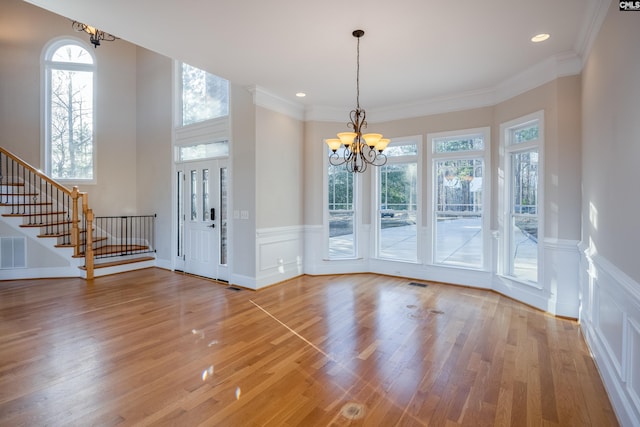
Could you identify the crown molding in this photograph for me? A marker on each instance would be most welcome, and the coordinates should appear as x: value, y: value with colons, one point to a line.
x: 265, y: 99
x: 566, y: 64
x: 596, y: 13
x: 561, y: 65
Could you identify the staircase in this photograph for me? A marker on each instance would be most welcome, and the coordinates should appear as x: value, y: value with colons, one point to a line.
x: 60, y: 222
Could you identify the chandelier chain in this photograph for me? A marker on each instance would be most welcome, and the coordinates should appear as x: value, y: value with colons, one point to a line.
x: 358, y: 75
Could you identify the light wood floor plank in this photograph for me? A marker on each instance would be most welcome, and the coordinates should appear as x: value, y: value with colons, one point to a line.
x: 157, y: 348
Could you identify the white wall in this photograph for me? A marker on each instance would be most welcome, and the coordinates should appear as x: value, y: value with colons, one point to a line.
x: 153, y: 145
x: 610, y: 279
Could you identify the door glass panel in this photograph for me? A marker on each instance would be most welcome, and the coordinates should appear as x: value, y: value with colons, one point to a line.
x: 194, y: 195
x: 205, y: 195
x: 524, y: 213
x: 180, y: 189
x: 341, y: 212
x: 223, y: 215
x: 458, y: 213
x: 398, y: 208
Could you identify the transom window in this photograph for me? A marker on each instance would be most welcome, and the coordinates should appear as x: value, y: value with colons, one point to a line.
x: 69, y: 111
x: 205, y: 96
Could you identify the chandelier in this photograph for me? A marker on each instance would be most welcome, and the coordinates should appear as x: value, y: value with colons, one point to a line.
x: 95, y: 35
x: 359, y: 150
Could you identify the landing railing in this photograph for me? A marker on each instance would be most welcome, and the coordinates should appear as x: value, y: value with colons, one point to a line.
x: 123, y: 235
x: 58, y: 211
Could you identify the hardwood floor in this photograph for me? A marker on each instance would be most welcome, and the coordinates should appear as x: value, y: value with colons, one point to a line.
x: 153, y: 347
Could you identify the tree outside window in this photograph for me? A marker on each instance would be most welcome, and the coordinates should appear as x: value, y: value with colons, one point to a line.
x: 205, y: 96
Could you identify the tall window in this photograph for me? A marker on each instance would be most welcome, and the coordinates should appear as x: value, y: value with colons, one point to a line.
x: 522, y: 140
x: 459, y: 196
x: 341, y: 204
x: 204, y: 96
x: 69, y: 116
x: 397, y: 196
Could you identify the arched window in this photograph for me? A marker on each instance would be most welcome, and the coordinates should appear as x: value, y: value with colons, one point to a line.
x: 69, y: 116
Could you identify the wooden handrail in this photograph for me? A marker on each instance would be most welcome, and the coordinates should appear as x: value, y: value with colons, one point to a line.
x: 75, y: 195
x: 35, y: 171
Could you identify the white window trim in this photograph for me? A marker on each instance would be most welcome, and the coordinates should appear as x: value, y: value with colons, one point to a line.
x: 45, y: 107
x: 506, y: 149
x: 487, y: 179
x: 357, y: 217
x: 375, y: 208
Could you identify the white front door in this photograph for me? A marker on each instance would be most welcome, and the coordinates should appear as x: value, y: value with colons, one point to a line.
x: 202, y: 211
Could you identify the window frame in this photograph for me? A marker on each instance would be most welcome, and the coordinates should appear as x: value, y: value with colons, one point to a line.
x: 46, y: 66
x: 432, y: 158
x: 376, y: 210
x: 357, y: 210
x: 508, y: 148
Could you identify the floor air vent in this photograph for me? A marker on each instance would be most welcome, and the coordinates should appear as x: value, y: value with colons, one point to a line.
x: 420, y: 285
x: 233, y: 288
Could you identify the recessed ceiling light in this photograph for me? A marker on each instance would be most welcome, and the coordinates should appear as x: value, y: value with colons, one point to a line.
x: 540, y: 37
x: 301, y: 94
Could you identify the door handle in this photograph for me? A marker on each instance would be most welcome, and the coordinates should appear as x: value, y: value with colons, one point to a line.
x: 212, y: 226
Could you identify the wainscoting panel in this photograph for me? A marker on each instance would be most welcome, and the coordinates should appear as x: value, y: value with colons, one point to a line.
x: 279, y: 254
x: 633, y: 386
x: 610, y: 320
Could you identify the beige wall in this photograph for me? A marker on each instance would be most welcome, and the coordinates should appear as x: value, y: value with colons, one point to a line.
x: 279, y: 169
x: 560, y: 100
x: 154, y: 80
x: 243, y: 155
x: 611, y: 142
x: 25, y: 30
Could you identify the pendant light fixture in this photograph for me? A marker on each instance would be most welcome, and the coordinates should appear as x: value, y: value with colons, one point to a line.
x: 358, y: 150
x: 95, y: 35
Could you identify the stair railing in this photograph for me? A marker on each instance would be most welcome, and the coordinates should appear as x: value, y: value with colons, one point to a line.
x: 60, y: 212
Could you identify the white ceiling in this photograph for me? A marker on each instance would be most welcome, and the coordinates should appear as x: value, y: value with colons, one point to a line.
x: 413, y: 50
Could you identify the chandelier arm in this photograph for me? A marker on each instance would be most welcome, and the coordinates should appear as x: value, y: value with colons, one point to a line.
x: 336, y: 160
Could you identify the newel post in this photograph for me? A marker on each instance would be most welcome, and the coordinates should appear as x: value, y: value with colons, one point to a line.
x: 88, y: 252
x: 75, y: 222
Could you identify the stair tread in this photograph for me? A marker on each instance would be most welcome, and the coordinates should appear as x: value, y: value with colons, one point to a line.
x: 25, y: 204
x: 69, y: 245
x: 35, y: 214
x: 120, y: 262
x: 114, y: 249
x: 47, y: 224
